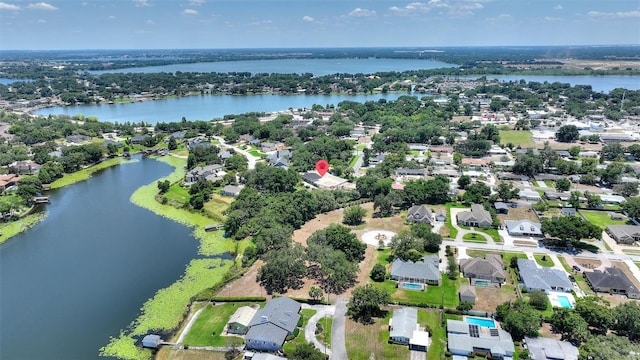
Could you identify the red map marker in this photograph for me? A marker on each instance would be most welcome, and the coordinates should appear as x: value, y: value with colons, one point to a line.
x: 322, y: 166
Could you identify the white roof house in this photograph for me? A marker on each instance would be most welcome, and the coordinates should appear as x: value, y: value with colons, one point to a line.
x: 523, y: 228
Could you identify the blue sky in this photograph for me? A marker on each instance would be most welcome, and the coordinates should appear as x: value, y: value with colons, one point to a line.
x: 154, y: 24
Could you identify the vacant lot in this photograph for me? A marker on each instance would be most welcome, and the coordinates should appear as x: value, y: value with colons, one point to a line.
x: 601, y: 218
x: 519, y: 213
x: 488, y: 298
x: 517, y: 137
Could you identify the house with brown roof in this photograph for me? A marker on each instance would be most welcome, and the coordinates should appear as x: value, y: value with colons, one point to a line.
x: 612, y: 280
x: 490, y: 268
x: 8, y: 180
x: 476, y: 217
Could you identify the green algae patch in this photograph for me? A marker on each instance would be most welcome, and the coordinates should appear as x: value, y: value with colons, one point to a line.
x: 124, y: 347
x: 86, y: 173
x: 9, y: 229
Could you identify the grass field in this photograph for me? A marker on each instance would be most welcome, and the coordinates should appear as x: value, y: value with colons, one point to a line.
x: 84, y: 174
x: 601, y: 219
x: 543, y: 260
x: 365, y: 342
x: 431, y: 318
x: 471, y: 237
x: 12, y: 228
x: 517, y: 137
x: 207, y: 328
x: 353, y: 160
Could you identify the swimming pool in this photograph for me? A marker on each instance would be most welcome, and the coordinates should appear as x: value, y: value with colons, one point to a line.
x: 412, y: 286
x: 482, y: 283
x: 564, y: 302
x: 483, y: 322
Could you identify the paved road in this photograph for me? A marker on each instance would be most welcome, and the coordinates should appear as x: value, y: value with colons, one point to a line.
x: 338, y: 346
x: 250, y: 158
x: 310, y: 328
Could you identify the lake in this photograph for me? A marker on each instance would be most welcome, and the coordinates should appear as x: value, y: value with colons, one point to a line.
x: 598, y: 83
x: 318, y: 67
x: 82, y: 274
x: 204, y: 107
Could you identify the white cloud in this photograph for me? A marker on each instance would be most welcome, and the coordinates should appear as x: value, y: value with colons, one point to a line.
x: 196, y: 2
x: 41, y: 6
x: 558, y: 7
x: 189, y: 12
x: 307, y: 19
x: 141, y: 3
x: 549, y: 18
x: 42, y: 21
x: 111, y: 17
x: 362, y: 12
x: 455, y: 7
x: 619, y: 14
x: 260, y: 23
x: 150, y: 22
x: 5, y: 6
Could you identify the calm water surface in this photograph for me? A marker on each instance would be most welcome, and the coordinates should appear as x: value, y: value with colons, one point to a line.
x: 82, y: 274
x: 205, y: 107
x: 318, y: 67
x: 598, y: 83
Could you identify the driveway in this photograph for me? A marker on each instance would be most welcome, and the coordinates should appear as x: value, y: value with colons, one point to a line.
x: 322, y: 311
x: 461, y: 232
x: 250, y: 158
x: 338, y: 346
x: 417, y: 355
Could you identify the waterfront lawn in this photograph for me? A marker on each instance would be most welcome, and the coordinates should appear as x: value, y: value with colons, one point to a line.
x: 601, y: 219
x: 517, y: 137
x: 12, y: 228
x: 86, y: 173
x: 208, y: 327
x: 543, y: 260
x: 177, y: 193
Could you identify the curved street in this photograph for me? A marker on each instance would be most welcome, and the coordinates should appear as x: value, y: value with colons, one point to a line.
x: 310, y: 329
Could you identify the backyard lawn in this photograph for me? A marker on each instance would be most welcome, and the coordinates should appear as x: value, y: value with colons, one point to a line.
x: 517, y: 137
x: 601, y: 218
x: 370, y: 341
x: 207, y: 328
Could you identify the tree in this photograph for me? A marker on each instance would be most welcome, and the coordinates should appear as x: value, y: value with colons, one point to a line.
x: 378, y: 273
x: 570, y: 228
x: 612, y: 173
x: 627, y: 317
x: 365, y: 303
x: 28, y: 187
x: 431, y: 240
x: 163, y: 186
x: 406, y: 247
x: 340, y: 238
x: 315, y: 293
x: 305, y: 351
x: 464, y: 181
x: 173, y: 144
x: 539, y: 300
x: 506, y: 191
x: 519, y: 319
x: 527, y: 164
x: 353, y: 215
x: 593, y: 200
x: 567, y: 133
x: 596, y: 312
x: 626, y: 189
x: 330, y: 268
x: 563, y: 184
x: 632, y: 207
x: 574, y: 151
x: 608, y: 347
x: 437, y: 190
x: 283, y: 270
x: 574, y: 199
x: 570, y: 324
x: 457, y: 158
x: 464, y: 306
x: 476, y: 193
x: 383, y: 204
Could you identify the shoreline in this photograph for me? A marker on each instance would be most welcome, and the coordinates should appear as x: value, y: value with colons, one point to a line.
x: 166, y: 310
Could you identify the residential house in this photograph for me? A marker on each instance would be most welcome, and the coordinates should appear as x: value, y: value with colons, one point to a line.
x: 563, y: 153
x: 25, y: 167
x: 210, y: 172
x: 375, y: 160
x: 404, y: 329
x: 554, y: 195
x: 608, y: 199
x: 543, y: 279
x: 624, y: 234
x: 177, y: 135
x: 328, y: 181
x: 231, y: 190
x: 268, y: 147
x: 424, y: 271
x: 240, y: 320
x: 411, y: 173
x: 467, y: 293
x: 137, y: 140
x: 477, y: 217
x: 475, y: 163
x: 76, y: 139
x: 441, y: 149
x: 567, y: 211
x: 224, y: 155
x: 441, y: 216
x: 419, y: 214
x: 357, y: 133
x: 530, y: 195
x: 488, y: 269
x: 463, y: 339
x: 535, y: 152
x: 248, y: 355
x: 512, y: 176
x: 589, y: 154
x: 523, y: 228
x: 270, y: 325
x: 612, y: 280
x: 8, y: 180
x: 501, y: 207
x: 541, y: 348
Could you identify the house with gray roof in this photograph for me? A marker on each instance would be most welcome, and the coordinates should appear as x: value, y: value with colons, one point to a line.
x: 624, y: 234
x: 463, y: 339
x: 568, y: 211
x: 477, y: 217
x: 550, y: 349
x: 501, y: 207
x: 424, y: 271
x: 523, y: 228
x: 210, y: 173
x: 490, y: 268
x: 270, y: 325
x: 612, y: 280
x: 404, y: 329
x: 231, y: 190
x: 542, y: 278
x: 419, y: 214
x: 467, y: 293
